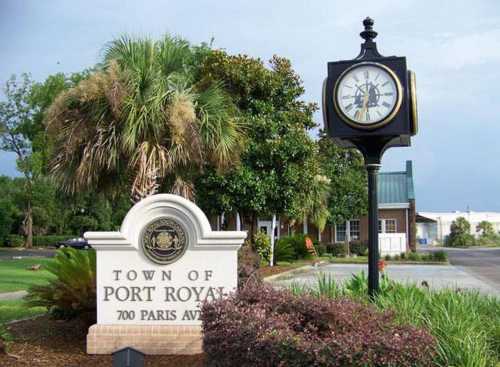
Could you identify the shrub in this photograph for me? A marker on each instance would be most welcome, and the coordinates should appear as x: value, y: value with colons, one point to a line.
x: 465, y: 324
x: 358, y: 248
x: 387, y: 257
x: 72, y: 293
x: 284, y: 251
x: 14, y: 240
x: 320, y: 248
x: 489, y: 239
x: 248, y: 263
x: 6, y: 219
x: 414, y: 256
x: 439, y: 256
x: 298, y: 242
x: 261, y: 326
x: 338, y: 249
x: 49, y: 240
x: 262, y: 244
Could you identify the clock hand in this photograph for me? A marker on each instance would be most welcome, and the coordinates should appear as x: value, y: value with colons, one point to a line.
x: 361, y: 90
x: 363, y: 110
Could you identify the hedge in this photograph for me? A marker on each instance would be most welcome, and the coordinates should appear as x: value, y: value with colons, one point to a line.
x: 49, y: 240
x: 262, y: 326
x: 14, y: 240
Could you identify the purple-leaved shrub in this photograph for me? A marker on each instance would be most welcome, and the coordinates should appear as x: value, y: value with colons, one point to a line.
x: 261, y: 326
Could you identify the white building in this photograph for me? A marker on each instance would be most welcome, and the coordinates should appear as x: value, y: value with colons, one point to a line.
x: 434, y: 227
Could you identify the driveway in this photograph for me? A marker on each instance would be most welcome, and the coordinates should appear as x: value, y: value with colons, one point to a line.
x: 15, y: 253
x: 483, y: 263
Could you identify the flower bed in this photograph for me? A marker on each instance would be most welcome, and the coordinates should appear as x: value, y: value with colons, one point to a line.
x: 261, y: 326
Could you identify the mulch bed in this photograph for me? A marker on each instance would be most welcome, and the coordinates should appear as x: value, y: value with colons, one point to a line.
x: 50, y: 343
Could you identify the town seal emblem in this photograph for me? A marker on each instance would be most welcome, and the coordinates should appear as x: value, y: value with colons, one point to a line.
x: 164, y: 241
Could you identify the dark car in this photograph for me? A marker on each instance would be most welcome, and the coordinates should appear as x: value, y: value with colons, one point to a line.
x: 77, y: 243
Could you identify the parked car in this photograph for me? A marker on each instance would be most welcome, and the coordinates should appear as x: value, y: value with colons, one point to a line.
x: 77, y: 243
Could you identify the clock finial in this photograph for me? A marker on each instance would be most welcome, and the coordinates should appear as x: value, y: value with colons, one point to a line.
x: 368, y: 34
x: 369, y: 47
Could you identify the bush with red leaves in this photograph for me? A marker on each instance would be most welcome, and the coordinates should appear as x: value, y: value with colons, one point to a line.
x: 261, y: 326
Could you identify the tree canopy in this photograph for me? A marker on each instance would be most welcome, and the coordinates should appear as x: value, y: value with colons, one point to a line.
x: 278, y: 171
x: 142, y: 120
x: 229, y: 131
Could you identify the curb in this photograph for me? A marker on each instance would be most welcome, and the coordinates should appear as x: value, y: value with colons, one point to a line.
x: 293, y: 271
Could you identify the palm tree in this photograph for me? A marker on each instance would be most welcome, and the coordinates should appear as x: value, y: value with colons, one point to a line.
x: 315, y: 203
x: 141, y: 120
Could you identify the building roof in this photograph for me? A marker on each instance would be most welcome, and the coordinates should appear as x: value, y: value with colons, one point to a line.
x: 396, y: 187
x: 448, y: 217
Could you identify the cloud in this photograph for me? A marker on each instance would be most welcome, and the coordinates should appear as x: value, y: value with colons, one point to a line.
x: 459, y: 52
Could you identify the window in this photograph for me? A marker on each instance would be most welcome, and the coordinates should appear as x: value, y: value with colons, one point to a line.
x: 340, y: 232
x: 354, y: 230
x: 390, y: 225
x: 351, y: 226
x: 387, y: 226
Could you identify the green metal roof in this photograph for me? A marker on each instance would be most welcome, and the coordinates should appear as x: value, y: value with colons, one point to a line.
x: 396, y: 187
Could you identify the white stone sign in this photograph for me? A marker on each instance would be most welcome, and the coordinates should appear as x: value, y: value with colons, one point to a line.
x: 154, y: 273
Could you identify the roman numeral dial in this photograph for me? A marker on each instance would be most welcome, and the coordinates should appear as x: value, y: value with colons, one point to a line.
x: 367, y: 94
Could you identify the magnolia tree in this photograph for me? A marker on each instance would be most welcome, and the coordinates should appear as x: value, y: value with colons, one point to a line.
x: 278, y: 168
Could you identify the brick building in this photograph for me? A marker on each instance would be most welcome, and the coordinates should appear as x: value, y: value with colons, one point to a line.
x: 397, y: 215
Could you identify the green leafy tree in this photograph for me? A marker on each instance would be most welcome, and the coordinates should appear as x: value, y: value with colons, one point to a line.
x: 460, y: 233
x: 15, y: 115
x: 142, y: 120
x: 22, y: 131
x: 485, y: 228
x: 488, y: 236
x: 277, y: 167
x: 347, y: 180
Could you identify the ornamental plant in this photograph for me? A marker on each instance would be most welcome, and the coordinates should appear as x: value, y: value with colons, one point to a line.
x: 72, y: 293
x: 262, y: 326
x: 262, y: 244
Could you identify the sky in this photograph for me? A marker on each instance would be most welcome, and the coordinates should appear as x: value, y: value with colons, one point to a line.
x: 452, y: 45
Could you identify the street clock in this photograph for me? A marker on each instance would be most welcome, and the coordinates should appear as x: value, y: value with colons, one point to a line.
x: 370, y: 103
x: 370, y: 96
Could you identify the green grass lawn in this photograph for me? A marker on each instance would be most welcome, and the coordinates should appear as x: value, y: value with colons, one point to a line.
x: 16, y: 310
x: 14, y: 275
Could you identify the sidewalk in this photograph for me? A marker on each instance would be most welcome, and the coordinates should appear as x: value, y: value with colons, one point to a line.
x: 9, y: 296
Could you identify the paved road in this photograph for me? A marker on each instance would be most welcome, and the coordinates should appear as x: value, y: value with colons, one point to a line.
x: 437, y: 276
x: 15, y: 253
x: 483, y: 263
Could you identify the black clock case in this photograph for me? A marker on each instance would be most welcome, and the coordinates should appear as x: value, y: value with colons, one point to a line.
x: 398, y: 127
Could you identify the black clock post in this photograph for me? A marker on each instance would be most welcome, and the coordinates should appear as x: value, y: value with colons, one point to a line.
x: 369, y: 103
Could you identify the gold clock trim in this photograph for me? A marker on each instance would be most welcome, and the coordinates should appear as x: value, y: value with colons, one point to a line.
x: 413, y: 102
x: 374, y: 125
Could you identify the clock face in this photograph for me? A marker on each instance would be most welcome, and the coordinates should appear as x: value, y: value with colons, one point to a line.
x: 368, y: 95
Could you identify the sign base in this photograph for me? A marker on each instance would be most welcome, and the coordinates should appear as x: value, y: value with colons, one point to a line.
x: 149, y: 339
